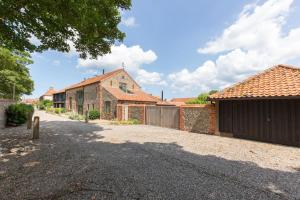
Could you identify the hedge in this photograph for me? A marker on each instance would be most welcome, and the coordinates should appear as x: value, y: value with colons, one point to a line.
x: 17, y: 114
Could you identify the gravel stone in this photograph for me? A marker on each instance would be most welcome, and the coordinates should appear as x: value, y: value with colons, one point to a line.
x: 75, y: 160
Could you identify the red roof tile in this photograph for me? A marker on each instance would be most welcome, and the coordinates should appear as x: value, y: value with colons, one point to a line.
x: 278, y: 81
x: 94, y: 79
x: 136, y: 96
x: 50, y: 92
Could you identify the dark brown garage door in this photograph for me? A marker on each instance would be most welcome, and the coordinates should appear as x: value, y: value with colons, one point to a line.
x: 275, y: 121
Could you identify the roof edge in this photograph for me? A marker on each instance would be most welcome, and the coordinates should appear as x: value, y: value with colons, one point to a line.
x: 252, y: 77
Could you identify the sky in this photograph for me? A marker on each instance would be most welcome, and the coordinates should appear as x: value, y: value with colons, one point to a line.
x: 186, y: 47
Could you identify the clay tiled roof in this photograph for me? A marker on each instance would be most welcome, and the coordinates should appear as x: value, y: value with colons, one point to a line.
x: 60, y: 91
x: 50, y: 92
x: 278, y: 81
x: 166, y: 103
x: 135, y: 96
x: 95, y: 79
x: 183, y: 99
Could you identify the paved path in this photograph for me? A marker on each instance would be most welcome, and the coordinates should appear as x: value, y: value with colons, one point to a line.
x: 74, y: 160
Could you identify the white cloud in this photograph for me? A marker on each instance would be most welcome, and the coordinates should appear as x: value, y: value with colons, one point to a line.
x: 133, y: 57
x: 129, y: 21
x: 56, y: 62
x: 34, y: 40
x: 150, y: 78
x: 257, y: 28
x: 188, y: 81
x: 254, y: 42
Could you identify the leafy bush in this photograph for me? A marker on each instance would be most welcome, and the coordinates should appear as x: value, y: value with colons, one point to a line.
x: 50, y: 110
x: 44, y: 104
x: 57, y: 110
x: 17, y: 113
x: 94, y: 114
x: 63, y: 110
x: 75, y: 116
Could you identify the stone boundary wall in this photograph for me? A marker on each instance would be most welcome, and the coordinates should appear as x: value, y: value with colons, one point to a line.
x: 4, y: 103
x: 192, y: 118
x: 135, y: 111
x: 198, y: 118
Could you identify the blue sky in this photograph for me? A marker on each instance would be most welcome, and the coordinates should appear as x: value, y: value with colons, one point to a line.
x: 186, y: 47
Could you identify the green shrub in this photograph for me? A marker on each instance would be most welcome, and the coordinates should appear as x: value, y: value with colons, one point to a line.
x: 94, y: 114
x: 57, y: 110
x: 75, y: 116
x: 63, y: 110
x: 44, y: 104
x: 17, y: 113
x: 50, y: 110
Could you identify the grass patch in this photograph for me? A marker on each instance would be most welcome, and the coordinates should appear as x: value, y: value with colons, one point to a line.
x: 128, y: 122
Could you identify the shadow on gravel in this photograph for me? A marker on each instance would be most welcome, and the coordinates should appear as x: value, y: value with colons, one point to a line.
x: 73, y: 163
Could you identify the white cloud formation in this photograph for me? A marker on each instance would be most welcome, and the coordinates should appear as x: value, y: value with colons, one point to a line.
x: 150, y: 78
x: 133, y: 58
x: 255, y: 41
x: 56, y: 62
x: 128, y: 21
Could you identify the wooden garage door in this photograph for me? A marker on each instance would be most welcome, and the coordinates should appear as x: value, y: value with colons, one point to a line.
x: 275, y: 121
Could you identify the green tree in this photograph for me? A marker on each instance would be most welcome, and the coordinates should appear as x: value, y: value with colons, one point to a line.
x: 201, y: 99
x: 212, y: 92
x: 92, y: 25
x: 14, y: 75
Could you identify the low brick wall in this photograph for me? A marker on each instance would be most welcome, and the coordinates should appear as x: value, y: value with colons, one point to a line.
x: 135, y: 111
x: 198, y: 118
x: 4, y: 103
x: 193, y: 118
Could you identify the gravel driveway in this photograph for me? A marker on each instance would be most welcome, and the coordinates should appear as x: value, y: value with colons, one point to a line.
x: 74, y: 160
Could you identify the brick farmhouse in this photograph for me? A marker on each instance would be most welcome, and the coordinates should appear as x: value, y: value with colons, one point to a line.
x: 103, y: 93
x: 48, y: 95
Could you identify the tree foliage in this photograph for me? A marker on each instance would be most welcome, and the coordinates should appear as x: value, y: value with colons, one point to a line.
x: 202, y: 98
x: 14, y: 74
x: 92, y: 25
x: 212, y: 92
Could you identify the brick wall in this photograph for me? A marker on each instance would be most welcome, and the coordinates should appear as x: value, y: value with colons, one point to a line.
x: 91, y: 97
x: 4, y: 103
x: 198, y: 118
x: 121, y: 77
x: 71, y: 94
x: 106, y: 96
x: 135, y: 111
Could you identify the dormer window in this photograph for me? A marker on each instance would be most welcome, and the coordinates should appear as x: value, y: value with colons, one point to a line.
x: 123, y: 86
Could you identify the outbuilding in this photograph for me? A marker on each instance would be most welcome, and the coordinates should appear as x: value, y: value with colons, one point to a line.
x: 264, y: 107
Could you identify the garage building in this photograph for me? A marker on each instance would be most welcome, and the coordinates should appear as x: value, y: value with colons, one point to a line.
x: 264, y: 107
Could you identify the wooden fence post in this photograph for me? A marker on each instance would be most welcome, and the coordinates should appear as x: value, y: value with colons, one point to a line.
x: 36, y: 128
x: 29, y: 120
x: 86, y: 116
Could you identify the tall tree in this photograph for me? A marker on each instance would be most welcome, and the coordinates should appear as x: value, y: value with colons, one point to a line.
x: 92, y: 25
x: 14, y: 75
